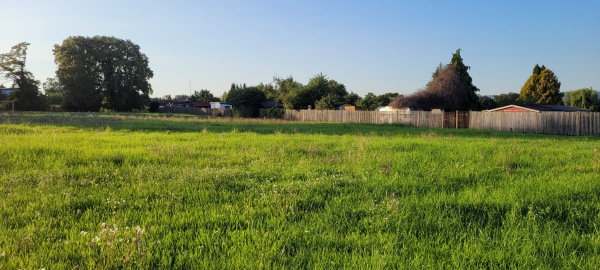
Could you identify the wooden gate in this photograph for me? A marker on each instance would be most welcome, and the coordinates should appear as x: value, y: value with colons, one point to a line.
x: 456, y: 119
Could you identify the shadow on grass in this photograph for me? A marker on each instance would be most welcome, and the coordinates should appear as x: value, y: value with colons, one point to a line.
x: 156, y: 122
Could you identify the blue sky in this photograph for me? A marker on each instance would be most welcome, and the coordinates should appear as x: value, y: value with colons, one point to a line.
x: 369, y: 46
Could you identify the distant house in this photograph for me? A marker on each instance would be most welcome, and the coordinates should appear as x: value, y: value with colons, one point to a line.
x: 7, y: 91
x: 185, y: 104
x: 538, y: 108
x: 219, y: 105
x: 344, y: 106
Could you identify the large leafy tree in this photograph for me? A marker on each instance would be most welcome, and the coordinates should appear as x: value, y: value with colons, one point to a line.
x: 204, y: 96
x: 102, y: 72
x: 284, y: 86
x: 471, y: 97
x: 586, y: 98
x: 371, y: 101
x: 318, y: 87
x: 445, y: 91
x: 542, y: 88
x: 245, y: 100
x: 451, y: 88
x: 12, y: 68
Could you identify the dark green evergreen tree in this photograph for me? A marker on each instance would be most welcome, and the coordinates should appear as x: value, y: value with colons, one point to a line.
x: 472, y: 101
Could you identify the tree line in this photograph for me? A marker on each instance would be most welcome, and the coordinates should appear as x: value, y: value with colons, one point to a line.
x: 103, y: 73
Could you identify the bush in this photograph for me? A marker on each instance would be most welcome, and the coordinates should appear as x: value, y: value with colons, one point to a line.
x: 275, y: 113
x: 154, y: 106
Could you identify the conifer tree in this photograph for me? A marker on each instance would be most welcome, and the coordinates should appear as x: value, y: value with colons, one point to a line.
x: 541, y: 88
x: 472, y: 101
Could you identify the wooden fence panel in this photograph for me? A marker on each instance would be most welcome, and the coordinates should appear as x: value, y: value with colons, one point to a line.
x: 523, y: 122
x: 558, y: 123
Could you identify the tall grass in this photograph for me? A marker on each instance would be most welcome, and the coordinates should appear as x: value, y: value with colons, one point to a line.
x: 127, y: 191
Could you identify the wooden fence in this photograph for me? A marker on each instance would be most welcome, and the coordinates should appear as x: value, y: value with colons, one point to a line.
x: 434, y: 119
x: 198, y: 111
x: 557, y: 123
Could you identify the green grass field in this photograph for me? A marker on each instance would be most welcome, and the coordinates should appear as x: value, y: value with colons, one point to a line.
x: 93, y: 191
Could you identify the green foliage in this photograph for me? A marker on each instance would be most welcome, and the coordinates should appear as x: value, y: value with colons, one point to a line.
x: 451, y: 88
x: 371, y: 101
x: 245, y: 100
x: 318, y: 87
x: 119, y: 191
x: 471, y: 90
x: 154, y: 106
x: 445, y: 91
x: 327, y: 102
x: 224, y: 96
x: 273, y: 113
x: 285, y: 86
x: 586, y: 98
x: 508, y: 99
x: 204, y: 96
x: 54, y: 91
x: 352, y: 98
x: 486, y: 103
x: 12, y: 67
x: 542, y: 88
x: 270, y: 92
x: 102, y: 72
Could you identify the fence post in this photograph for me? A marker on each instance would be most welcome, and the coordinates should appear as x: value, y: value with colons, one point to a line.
x: 578, y: 124
x: 456, y: 118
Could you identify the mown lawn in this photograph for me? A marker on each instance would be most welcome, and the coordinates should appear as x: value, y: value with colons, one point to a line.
x: 148, y: 191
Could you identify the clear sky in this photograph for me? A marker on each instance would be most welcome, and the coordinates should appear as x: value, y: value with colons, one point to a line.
x: 369, y: 46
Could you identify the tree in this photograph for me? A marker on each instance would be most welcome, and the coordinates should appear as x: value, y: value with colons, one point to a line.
x: 486, y: 103
x: 507, y: 99
x: 269, y: 90
x: 12, y: 68
x: 586, y: 98
x: 371, y: 101
x: 445, y: 91
x: 385, y: 99
x: 181, y: 98
x: 245, y: 100
x: 352, y: 98
x: 471, y: 98
x: 318, y: 87
x: 102, y: 72
x: 53, y: 91
x: 154, y: 105
x: 541, y: 88
x: 204, y: 96
x: 451, y: 88
x: 326, y: 103
x: 285, y: 86
x: 368, y: 103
